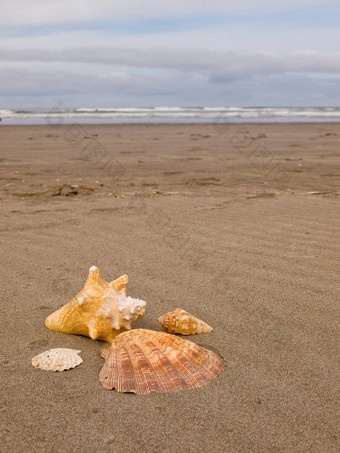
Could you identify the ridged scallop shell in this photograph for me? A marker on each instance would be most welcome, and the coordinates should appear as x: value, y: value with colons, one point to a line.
x: 100, y: 310
x: 58, y: 359
x: 182, y: 322
x: 143, y: 361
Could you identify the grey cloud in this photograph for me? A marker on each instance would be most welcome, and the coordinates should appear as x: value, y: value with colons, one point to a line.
x: 220, y: 66
x: 20, y: 87
x: 153, y: 58
x: 22, y: 82
x: 42, y: 12
x: 262, y: 64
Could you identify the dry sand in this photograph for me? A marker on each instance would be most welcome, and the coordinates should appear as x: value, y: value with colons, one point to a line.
x: 219, y: 220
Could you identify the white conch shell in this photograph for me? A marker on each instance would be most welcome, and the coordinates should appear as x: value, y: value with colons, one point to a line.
x: 101, y: 310
x: 58, y: 359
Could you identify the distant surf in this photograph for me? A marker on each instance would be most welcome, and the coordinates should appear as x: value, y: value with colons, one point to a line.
x: 58, y: 115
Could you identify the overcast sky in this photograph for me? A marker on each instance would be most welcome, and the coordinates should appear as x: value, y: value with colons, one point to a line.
x: 129, y: 53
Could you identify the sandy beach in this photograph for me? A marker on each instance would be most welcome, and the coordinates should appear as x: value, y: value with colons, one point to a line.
x: 236, y: 223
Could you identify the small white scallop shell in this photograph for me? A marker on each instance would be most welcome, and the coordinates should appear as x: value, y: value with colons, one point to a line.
x: 58, y: 359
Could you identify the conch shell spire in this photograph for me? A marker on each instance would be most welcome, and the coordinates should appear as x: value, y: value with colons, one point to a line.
x: 94, y: 277
x: 101, y: 310
x: 120, y: 283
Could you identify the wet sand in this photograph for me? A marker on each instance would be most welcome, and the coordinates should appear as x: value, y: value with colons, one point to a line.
x: 237, y: 224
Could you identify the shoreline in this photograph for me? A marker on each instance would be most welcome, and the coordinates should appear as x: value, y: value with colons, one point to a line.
x: 165, y: 122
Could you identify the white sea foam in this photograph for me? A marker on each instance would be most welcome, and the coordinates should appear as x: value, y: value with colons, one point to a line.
x: 176, y: 113
x: 6, y: 113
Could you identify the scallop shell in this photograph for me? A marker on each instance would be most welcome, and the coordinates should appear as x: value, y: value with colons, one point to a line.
x: 182, y: 322
x: 58, y: 359
x: 100, y: 310
x: 143, y: 361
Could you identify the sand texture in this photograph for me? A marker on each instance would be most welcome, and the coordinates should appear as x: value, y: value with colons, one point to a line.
x: 239, y: 225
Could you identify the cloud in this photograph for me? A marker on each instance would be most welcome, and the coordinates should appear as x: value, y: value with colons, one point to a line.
x: 245, y: 66
x: 220, y: 66
x: 42, y: 12
x: 20, y: 87
x: 212, y: 53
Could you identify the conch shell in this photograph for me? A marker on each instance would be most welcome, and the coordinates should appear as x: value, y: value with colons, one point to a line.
x: 143, y: 361
x: 100, y: 310
x: 58, y: 359
x: 182, y: 322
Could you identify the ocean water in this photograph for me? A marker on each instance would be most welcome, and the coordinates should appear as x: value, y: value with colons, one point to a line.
x: 58, y: 115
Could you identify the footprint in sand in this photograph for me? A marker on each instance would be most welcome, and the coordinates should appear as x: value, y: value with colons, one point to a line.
x: 37, y: 344
x: 110, y: 441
